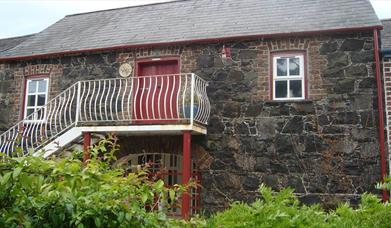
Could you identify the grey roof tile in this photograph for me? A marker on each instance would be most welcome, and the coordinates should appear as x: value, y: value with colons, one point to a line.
x: 192, y: 20
x: 8, y: 43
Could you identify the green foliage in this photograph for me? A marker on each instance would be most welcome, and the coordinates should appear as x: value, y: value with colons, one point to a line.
x: 386, y: 184
x: 63, y: 192
x: 283, y: 209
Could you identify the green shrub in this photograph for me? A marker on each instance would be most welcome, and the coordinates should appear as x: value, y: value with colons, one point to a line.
x: 283, y: 209
x: 63, y: 192
x: 386, y: 184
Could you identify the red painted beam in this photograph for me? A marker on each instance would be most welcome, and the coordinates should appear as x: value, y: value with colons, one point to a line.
x: 186, y: 173
x: 381, y: 111
x: 185, y: 42
x: 86, y: 147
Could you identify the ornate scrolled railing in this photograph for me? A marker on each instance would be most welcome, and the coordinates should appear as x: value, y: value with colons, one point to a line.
x: 157, y: 99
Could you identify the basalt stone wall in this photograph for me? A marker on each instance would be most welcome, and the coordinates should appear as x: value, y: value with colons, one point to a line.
x: 325, y: 147
x: 6, y: 99
x: 62, y: 73
x: 12, y: 87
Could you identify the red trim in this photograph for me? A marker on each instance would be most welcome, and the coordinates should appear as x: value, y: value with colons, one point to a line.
x: 305, y: 75
x: 156, y: 59
x: 288, y: 53
x: 381, y: 112
x: 186, y: 170
x: 86, y: 147
x: 34, y: 76
x: 153, y: 60
x: 209, y: 40
x: 26, y: 78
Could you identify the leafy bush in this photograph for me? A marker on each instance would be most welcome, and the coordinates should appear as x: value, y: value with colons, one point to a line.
x: 386, y: 184
x: 66, y: 193
x: 284, y: 210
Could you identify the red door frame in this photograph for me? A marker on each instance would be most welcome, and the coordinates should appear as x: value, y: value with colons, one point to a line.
x: 157, y: 59
x: 138, y: 71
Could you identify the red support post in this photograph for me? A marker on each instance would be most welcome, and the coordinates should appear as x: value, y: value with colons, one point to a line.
x: 86, y: 147
x: 380, y: 94
x: 186, y: 173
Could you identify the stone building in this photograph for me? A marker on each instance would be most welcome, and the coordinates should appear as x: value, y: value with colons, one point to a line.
x: 233, y: 93
x: 386, y: 60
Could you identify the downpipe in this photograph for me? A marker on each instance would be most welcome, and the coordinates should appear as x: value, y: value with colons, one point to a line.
x: 383, y: 162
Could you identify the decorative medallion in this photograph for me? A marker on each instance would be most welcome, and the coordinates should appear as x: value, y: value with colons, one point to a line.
x: 125, y: 70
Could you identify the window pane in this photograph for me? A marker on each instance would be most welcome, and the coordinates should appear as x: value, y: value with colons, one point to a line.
x: 29, y: 111
x: 295, y: 88
x: 294, y: 66
x: 281, y: 67
x: 32, y: 86
x: 31, y: 100
x: 39, y: 115
x: 281, y: 89
x: 41, y: 100
x: 42, y: 86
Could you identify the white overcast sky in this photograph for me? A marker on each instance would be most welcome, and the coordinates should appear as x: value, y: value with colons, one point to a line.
x: 22, y: 17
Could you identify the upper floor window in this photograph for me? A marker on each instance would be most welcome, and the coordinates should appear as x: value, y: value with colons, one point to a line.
x: 36, y: 97
x: 288, y: 77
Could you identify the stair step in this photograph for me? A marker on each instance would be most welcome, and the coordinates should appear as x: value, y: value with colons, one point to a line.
x: 60, y: 142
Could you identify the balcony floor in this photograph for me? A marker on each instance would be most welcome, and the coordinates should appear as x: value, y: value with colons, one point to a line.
x: 132, y: 130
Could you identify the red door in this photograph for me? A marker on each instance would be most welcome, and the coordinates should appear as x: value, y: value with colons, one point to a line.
x: 156, y: 92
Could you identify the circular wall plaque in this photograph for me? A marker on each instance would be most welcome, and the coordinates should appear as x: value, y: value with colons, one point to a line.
x: 125, y: 70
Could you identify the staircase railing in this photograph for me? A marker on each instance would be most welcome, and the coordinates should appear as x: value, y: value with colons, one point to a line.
x: 158, y: 99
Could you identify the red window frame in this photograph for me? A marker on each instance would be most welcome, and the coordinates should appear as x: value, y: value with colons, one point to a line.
x: 271, y: 72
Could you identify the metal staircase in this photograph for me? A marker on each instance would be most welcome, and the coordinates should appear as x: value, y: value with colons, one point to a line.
x: 112, y: 104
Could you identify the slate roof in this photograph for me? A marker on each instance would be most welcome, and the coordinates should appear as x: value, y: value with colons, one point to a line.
x: 386, y: 34
x: 186, y: 20
x: 8, y: 43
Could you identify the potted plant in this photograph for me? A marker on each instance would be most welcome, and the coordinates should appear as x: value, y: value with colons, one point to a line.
x: 187, y: 105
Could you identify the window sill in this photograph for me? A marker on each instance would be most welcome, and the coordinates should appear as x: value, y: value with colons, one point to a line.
x: 288, y: 101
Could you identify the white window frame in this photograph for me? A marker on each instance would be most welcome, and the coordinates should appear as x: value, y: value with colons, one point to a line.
x: 36, y: 106
x: 288, y: 77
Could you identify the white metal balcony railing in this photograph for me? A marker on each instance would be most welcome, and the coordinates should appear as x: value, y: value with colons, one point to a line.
x: 161, y: 99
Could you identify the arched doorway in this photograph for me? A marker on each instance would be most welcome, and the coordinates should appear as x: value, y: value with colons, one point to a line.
x: 168, y: 167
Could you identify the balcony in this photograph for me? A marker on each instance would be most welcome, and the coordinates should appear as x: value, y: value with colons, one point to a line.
x: 159, y: 104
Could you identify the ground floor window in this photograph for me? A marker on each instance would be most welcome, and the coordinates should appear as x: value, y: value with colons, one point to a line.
x: 36, y: 97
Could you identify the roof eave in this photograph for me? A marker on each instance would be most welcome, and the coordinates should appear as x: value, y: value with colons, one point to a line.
x: 208, y: 40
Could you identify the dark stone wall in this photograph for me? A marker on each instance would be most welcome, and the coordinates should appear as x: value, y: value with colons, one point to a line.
x: 7, y: 86
x: 12, y: 87
x: 325, y: 147
x: 62, y: 73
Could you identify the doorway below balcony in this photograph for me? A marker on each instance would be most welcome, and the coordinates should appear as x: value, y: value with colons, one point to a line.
x: 162, y: 156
